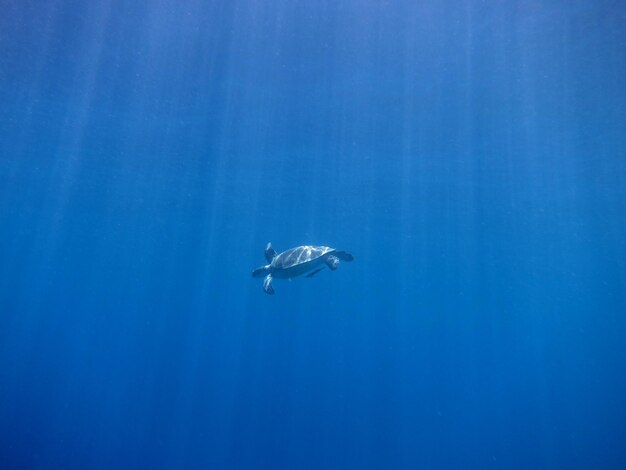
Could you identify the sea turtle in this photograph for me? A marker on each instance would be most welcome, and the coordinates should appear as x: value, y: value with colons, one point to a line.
x: 297, y: 261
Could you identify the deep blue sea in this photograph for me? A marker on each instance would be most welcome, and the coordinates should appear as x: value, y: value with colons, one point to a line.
x: 470, y: 154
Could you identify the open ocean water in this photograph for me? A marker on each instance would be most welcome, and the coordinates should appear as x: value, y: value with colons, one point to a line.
x: 470, y: 154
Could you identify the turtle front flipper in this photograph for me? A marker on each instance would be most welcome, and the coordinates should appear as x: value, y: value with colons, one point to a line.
x: 332, y: 262
x: 267, y: 285
x: 311, y: 274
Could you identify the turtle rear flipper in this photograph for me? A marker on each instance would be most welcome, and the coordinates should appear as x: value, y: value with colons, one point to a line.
x: 267, y: 285
x: 270, y: 253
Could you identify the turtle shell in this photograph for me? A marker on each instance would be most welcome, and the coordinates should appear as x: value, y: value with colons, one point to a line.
x: 299, y: 255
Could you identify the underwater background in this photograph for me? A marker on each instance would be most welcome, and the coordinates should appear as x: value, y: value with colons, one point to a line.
x: 470, y: 154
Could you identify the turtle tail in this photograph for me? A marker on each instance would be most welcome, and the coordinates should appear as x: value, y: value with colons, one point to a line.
x: 262, y: 271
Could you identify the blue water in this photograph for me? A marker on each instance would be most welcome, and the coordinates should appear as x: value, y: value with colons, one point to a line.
x: 471, y: 155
